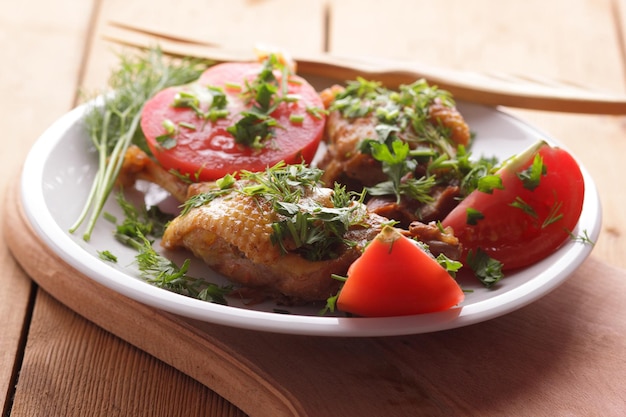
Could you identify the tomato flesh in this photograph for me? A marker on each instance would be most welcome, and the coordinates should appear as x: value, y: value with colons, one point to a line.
x: 395, y: 277
x: 206, y: 151
x: 515, y: 236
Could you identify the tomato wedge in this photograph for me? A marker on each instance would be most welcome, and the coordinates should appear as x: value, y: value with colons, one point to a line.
x: 199, y: 144
x: 525, y: 220
x: 395, y: 277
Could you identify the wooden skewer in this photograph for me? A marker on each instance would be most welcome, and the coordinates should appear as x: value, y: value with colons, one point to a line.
x: 498, y: 90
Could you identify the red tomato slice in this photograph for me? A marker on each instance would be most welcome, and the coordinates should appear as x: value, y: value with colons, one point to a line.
x: 206, y: 151
x: 395, y: 277
x: 522, y: 226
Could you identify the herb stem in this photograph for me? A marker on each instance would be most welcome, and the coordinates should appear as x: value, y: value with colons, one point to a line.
x: 109, y: 174
x: 115, y: 125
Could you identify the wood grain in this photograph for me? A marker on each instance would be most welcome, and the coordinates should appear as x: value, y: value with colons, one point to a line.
x: 546, y: 359
x: 505, y: 39
x: 562, y: 355
x: 15, y: 306
x: 30, y: 34
x: 483, y: 35
x: 482, y: 88
x: 62, y: 343
x: 236, y: 24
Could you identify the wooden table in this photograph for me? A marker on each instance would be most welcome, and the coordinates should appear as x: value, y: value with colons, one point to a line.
x: 55, y: 362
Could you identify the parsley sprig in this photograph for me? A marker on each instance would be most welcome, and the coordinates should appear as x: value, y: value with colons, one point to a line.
x: 406, y: 141
x: 264, y: 93
x: 399, y: 168
x: 487, y: 270
x: 304, y: 224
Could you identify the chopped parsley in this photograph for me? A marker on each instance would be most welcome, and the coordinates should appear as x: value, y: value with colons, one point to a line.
x: 253, y: 129
x: 265, y: 93
x: 487, y: 270
x: 415, y: 154
x: 399, y: 169
x: 473, y: 216
x: 531, y: 177
x: 304, y: 226
x: 194, y: 100
x: 488, y: 183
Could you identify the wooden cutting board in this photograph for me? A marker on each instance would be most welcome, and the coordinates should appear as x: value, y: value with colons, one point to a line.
x: 562, y: 355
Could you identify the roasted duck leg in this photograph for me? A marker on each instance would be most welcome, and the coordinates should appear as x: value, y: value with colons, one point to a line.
x: 233, y: 231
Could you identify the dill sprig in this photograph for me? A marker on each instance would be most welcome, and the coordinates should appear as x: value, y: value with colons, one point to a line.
x: 310, y: 228
x: 114, y: 126
x: 159, y: 271
x: 134, y: 230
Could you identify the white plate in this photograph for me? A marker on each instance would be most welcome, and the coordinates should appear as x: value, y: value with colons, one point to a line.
x: 57, y: 175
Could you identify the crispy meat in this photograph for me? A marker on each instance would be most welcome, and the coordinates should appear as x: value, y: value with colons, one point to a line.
x: 344, y: 161
x: 438, y: 241
x: 139, y: 166
x: 407, y: 211
x: 450, y: 118
x: 232, y: 234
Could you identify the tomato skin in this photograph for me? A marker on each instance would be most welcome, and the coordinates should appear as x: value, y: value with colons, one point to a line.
x: 395, y: 277
x: 209, y: 152
x: 507, y: 233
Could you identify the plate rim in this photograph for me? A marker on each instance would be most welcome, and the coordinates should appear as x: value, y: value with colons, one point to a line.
x: 54, y: 237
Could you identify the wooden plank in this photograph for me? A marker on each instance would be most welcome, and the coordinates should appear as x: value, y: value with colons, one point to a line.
x: 113, y: 382
x: 15, y: 305
x: 619, y: 12
x: 564, y: 355
x: 237, y: 24
x: 455, y: 33
x: 74, y: 368
x: 70, y: 366
x: 483, y: 35
x: 32, y: 34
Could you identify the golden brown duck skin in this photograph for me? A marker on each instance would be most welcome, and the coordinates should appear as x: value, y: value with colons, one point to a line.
x: 233, y: 235
x: 420, y: 116
x: 344, y: 159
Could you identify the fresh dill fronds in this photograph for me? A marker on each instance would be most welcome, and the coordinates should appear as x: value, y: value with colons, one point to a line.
x: 583, y: 238
x: 106, y: 255
x: 164, y: 273
x: 487, y: 270
x: 147, y: 221
x: 114, y: 125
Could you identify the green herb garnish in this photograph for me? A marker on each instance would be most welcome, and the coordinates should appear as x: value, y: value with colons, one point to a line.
x: 265, y: 93
x: 114, y: 125
x: 531, y: 177
x: 163, y: 273
x: 304, y: 225
x: 487, y: 270
x: 473, y: 216
x: 524, y: 206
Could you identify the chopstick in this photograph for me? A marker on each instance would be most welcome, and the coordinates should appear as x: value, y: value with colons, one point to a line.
x: 488, y: 89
